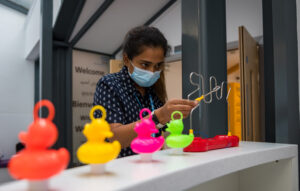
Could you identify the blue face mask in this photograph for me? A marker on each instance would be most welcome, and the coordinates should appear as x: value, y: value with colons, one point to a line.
x: 144, y: 78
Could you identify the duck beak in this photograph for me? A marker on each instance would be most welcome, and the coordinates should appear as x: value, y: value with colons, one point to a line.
x: 23, y: 137
x: 154, y: 130
x: 108, y: 134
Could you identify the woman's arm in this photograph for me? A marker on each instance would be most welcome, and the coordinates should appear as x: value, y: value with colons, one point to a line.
x: 123, y: 133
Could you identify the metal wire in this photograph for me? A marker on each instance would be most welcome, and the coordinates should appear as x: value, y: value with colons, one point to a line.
x: 213, y: 87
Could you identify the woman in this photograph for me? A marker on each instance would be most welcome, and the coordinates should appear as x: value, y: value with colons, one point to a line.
x: 139, y: 84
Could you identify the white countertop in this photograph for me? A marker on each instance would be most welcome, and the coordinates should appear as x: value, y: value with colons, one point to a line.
x: 168, y: 171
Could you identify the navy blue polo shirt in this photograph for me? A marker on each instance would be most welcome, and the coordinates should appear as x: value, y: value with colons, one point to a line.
x: 118, y: 95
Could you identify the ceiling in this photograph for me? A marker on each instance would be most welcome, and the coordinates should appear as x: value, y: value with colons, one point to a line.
x: 108, y: 31
x: 23, y: 3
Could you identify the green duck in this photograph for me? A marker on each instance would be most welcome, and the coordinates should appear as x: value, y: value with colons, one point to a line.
x: 176, y: 139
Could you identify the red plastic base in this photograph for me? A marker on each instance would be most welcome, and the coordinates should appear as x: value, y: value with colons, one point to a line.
x: 218, y: 142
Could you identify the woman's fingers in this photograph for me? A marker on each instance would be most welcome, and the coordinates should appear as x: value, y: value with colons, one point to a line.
x: 183, y: 105
x: 182, y: 108
x: 191, y: 103
x: 185, y: 114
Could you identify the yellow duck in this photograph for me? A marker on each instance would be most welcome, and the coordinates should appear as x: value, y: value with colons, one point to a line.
x: 96, y: 150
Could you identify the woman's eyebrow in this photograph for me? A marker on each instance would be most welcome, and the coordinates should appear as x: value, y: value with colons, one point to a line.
x: 162, y: 62
x: 145, y: 61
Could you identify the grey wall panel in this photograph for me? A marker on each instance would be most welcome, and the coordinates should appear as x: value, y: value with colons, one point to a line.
x: 204, y: 52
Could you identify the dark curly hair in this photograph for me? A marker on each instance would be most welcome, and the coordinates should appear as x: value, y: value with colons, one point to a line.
x: 143, y: 36
x: 139, y: 38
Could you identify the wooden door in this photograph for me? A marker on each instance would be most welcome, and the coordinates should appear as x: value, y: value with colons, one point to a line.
x: 115, y: 65
x: 249, y: 67
x: 173, y: 78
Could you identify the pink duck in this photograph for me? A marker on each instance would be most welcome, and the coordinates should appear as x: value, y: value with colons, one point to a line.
x: 144, y: 142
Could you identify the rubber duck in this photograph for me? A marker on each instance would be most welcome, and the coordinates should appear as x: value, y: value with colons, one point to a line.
x: 144, y: 142
x: 176, y: 139
x: 96, y: 150
x: 36, y: 161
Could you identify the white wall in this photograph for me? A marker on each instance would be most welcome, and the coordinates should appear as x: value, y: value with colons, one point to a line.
x: 169, y: 23
x: 32, y: 31
x: 238, y: 12
x: 243, y: 12
x: 16, y: 80
x: 32, y: 28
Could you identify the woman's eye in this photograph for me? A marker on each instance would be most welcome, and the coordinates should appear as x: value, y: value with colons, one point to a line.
x: 145, y: 65
x: 158, y: 66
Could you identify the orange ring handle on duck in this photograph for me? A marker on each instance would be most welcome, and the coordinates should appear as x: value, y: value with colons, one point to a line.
x: 44, y: 103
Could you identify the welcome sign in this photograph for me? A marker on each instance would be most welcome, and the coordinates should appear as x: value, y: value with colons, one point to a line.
x: 87, y: 68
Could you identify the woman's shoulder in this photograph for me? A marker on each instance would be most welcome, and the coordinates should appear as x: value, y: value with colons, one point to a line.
x: 110, y: 79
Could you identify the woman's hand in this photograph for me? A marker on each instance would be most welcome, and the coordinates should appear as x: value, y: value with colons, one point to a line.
x: 183, y: 105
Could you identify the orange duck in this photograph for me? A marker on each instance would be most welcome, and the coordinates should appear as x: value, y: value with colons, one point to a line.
x: 36, y: 161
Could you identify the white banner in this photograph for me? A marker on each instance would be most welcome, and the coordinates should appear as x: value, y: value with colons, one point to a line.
x: 87, y: 68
